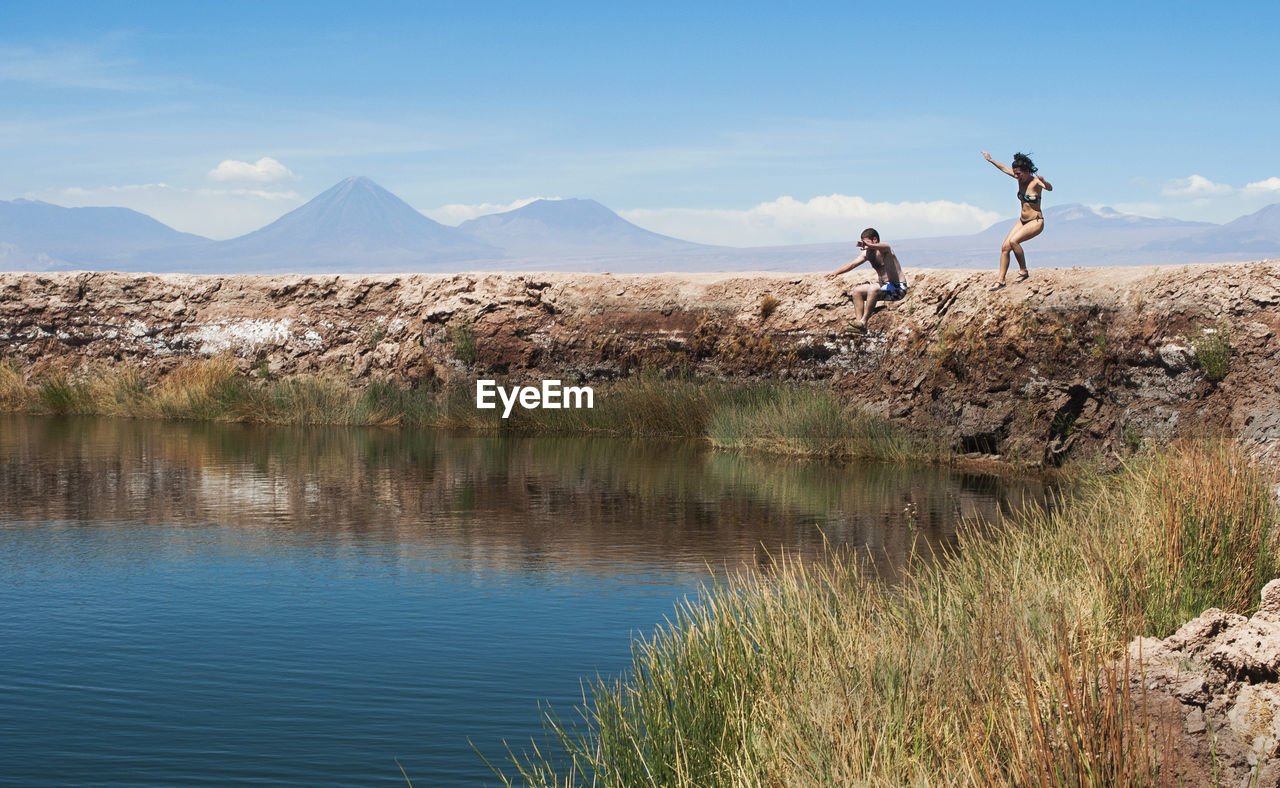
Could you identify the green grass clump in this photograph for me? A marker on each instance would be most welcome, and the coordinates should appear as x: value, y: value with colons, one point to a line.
x: 387, y: 403
x: 463, y: 338
x: 812, y: 422
x: 993, y: 666
x: 1213, y: 352
x: 62, y: 396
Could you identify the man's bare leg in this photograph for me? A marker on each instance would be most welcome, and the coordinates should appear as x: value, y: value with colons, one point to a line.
x: 859, y: 295
x: 872, y: 298
x: 859, y: 299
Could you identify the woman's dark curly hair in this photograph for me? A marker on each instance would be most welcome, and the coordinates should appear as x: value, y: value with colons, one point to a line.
x: 1022, y: 161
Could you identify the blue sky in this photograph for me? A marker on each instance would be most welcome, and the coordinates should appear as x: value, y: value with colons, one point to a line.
x: 741, y: 123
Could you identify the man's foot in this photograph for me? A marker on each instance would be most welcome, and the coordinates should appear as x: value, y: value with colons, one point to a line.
x: 1022, y: 276
x: 856, y: 327
x: 995, y: 287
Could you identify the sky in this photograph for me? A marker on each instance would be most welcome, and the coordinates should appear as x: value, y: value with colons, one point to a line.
x: 744, y: 124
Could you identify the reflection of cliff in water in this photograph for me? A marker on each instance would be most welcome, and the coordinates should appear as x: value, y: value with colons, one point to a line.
x: 491, y: 501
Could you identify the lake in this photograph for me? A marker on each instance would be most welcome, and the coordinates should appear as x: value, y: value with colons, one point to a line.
x: 209, y: 604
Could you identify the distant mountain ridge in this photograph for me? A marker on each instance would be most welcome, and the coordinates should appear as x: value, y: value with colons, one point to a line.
x: 567, y: 227
x: 359, y: 213
x: 358, y: 226
x: 1074, y: 234
x: 1259, y: 232
x: 52, y: 237
x: 355, y: 225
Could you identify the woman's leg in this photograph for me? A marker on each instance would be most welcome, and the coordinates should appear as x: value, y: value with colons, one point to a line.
x: 1005, y: 248
x: 1013, y: 242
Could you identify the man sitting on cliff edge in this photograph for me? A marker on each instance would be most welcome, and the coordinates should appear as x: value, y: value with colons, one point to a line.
x: 892, y: 285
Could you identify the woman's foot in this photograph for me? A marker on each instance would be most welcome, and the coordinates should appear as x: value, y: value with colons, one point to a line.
x: 1022, y: 276
x: 995, y: 287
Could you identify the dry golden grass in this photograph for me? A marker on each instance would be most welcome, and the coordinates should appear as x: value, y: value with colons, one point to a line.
x: 15, y: 394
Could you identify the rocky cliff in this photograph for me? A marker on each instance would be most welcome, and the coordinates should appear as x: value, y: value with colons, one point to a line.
x: 1074, y: 360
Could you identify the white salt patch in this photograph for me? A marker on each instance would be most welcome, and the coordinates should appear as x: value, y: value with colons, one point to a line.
x: 241, y: 335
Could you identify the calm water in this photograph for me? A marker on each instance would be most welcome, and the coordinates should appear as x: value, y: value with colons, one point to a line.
x: 187, y: 605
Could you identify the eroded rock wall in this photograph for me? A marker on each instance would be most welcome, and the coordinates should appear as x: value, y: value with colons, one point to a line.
x: 1074, y: 359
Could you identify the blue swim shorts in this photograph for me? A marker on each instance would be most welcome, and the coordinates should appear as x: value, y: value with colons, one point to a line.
x: 893, y: 291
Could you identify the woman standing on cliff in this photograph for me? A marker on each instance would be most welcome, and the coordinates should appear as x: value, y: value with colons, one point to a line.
x: 1030, y: 222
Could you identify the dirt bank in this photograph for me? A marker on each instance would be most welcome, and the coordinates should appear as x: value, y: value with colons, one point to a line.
x: 1074, y: 360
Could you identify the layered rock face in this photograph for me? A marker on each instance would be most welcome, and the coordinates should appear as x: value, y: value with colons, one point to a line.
x: 1215, y: 684
x: 1074, y: 360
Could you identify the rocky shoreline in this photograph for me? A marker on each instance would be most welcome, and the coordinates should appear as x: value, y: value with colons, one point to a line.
x: 1212, y: 689
x: 1073, y: 361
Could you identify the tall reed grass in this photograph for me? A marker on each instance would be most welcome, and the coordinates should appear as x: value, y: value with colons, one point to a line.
x: 986, y: 667
x: 797, y: 420
x: 812, y: 422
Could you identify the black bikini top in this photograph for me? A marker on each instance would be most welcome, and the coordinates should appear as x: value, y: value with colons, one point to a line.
x: 1028, y: 199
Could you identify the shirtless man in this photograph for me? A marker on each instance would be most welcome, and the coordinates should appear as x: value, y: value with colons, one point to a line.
x: 892, y: 285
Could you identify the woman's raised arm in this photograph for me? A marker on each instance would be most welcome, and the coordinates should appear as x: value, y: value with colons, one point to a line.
x: 1003, y: 168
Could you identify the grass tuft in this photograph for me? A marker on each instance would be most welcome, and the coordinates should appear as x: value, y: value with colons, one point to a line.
x: 15, y: 394
x: 1213, y: 352
x: 812, y: 422
x: 463, y: 337
x: 768, y: 305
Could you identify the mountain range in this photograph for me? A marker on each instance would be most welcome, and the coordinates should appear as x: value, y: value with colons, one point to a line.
x: 359, y: 226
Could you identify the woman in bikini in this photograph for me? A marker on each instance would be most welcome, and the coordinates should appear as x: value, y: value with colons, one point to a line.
x: 1031, y: 222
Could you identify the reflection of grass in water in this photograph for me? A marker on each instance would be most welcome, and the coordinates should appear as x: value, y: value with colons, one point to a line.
x: 786, y: 419
x: 423, y: 472
x: 800, y: 485
x: 823, y: 675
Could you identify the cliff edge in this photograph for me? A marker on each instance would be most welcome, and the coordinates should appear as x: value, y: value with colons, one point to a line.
x: 1073, y: 360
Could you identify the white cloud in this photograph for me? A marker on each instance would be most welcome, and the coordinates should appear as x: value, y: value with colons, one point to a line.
x: 829, y: 218
x: 1271, y: 184
x: 263, y: 170
x: 1197, y: 198
x: 457, y: 213
x: 213, y: 213
x: 1194, y: 186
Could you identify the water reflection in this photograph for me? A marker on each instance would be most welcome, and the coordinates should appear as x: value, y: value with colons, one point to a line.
x: 500, y: 502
